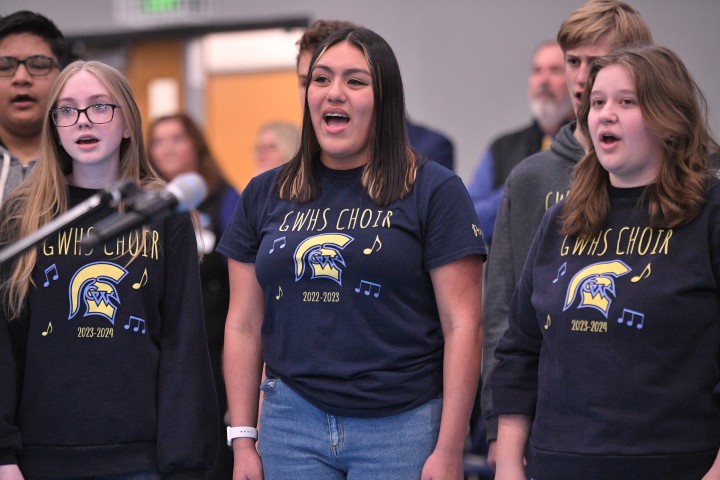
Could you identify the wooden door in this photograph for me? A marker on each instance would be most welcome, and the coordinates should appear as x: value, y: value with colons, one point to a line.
x: 236, y: 105
x: 152, y: 60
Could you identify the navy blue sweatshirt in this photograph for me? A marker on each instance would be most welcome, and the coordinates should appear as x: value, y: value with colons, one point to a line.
x: 111, y: 358
x: 613, y: 347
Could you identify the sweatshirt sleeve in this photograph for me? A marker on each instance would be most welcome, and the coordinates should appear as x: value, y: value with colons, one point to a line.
x: 187, y: 407
x: 499, y: 288
x: 515, y: 377
x: 10, y: 440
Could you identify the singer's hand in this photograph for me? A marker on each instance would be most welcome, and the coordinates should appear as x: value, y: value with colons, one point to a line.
x: 492, y: 452
x: 10, y: 472
x: 247, y: 464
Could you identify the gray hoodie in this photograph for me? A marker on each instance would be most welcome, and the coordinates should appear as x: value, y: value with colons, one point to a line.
x: 12, y: 172
x: 536, y: 184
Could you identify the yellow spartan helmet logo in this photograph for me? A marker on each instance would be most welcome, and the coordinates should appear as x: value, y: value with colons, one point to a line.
x: 322, y: 253
x: 95, y: 285
x: 596, y: 284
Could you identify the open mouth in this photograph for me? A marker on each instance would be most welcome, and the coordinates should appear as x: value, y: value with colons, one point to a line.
x: 608, y: 139
x: 22, y: 99
x: 87, y: 141
x: 336, y: 119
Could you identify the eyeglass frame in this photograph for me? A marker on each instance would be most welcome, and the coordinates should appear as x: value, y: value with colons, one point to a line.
x: 78, y: 111
x: 18, y: 62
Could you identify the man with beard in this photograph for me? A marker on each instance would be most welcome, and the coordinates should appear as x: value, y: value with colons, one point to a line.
x: 551, y: 108
x: 32, y: 53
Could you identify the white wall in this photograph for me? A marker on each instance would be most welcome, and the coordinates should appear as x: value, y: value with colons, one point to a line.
x: 464, y: 62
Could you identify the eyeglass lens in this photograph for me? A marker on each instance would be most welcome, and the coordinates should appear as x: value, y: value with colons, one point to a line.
x: 98, y: 114
x: 37, y: 65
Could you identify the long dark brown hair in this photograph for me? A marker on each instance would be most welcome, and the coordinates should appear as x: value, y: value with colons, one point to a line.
x: 390, y: 174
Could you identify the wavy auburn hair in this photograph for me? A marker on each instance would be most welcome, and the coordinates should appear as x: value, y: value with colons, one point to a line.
x: 674, y: 108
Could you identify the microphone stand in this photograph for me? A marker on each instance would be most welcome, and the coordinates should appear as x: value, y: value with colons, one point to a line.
x: 109, y: 196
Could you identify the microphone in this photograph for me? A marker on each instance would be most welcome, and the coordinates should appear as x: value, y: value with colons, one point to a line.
x: 183, y: 193
x: 112, y: 195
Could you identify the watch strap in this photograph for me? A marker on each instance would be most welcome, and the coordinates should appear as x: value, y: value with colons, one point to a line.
x: 240, y: 432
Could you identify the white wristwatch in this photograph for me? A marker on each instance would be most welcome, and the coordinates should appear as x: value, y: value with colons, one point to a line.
x: 240, y: 432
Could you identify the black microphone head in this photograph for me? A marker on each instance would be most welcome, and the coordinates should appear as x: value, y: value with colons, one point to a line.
x: 189, y: 189
x: 123, y: 189
x: 185, y: 192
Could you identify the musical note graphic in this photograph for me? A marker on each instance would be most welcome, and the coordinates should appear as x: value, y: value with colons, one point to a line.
x: 51, y: 268
x: 143, y: 280
x: 561, y: 272
x: 644, y: 274
x: 370, y: 286
x: 377, y: 242
x: 629, y: 318
x: 548, y: 322
x: 48, y: 330
x: 280, y: 294
x: 137, y: 327
x: 282, y: 244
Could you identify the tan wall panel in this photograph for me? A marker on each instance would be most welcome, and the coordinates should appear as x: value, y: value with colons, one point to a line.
x: 236, y: 106
x: 151, y: 60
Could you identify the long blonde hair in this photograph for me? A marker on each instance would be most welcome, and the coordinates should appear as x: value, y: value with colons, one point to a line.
x: 44, y: 194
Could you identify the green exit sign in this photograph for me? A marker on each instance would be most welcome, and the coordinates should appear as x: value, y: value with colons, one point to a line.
x: 144, y: 12
x: 161, y: 6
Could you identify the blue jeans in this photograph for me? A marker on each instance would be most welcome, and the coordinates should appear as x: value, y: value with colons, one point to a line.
x: 299, y: 441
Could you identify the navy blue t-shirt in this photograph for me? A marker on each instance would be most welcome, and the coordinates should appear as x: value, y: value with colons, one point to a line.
x: 351, y: 322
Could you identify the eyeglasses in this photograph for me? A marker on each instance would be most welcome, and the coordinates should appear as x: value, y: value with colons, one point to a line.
x: 98, y: 114
x: 37, y: 65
